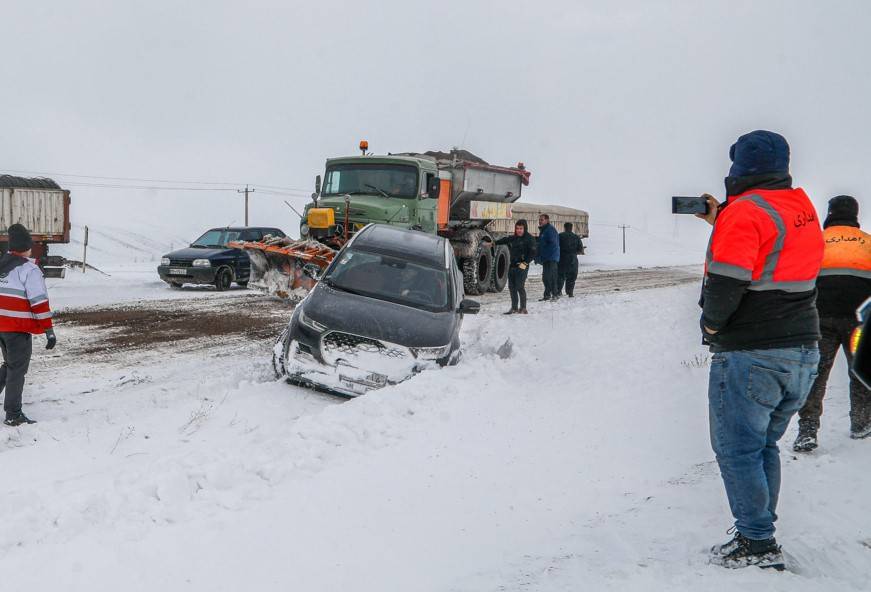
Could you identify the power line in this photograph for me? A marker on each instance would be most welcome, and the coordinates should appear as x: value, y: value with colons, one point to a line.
x: 146, y: 180
x: 148, y: 187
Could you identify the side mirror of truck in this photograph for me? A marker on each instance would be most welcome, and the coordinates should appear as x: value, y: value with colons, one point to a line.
x: 317, y: 189
x: 434, y: 188
x: 469, y: 307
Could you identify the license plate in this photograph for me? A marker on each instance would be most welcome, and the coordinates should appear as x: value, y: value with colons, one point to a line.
x: 175, y: 271
x: 372, y: 381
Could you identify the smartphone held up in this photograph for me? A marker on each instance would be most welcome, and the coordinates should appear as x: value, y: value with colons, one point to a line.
x: 689, y: 205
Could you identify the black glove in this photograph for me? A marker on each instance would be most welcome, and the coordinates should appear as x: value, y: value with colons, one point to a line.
x: 52, y: 339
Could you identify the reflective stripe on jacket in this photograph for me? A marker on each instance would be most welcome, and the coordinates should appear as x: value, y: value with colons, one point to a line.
x: 848, y: 252
x: 771, y: 238
x: 24, y: 306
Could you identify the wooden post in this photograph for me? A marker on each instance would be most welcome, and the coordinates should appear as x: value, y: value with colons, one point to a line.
x: 85, y: 253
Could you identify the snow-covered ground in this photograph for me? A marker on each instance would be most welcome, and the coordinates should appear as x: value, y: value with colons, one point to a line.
x: 579, y: 462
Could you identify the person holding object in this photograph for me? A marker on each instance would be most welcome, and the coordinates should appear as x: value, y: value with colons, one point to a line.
x: 24, y: 312
x: 844, y: 283
x: 548, y: 256
x: 760, y: 320
x: 521, y: 248
x: 570, y: 246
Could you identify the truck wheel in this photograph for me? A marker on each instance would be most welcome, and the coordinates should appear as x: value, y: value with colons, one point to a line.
x: 223, y: 279
x: 501, y: 262
x: 478, y: 270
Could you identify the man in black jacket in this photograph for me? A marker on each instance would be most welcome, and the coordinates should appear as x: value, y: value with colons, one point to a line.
x: 570, y: 246
x: 521, y: 246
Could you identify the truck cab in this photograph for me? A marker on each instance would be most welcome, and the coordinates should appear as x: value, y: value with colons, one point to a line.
x: 394, y: 189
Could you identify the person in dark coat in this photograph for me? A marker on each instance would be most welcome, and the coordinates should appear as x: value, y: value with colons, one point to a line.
x: 548, y: 256
x: 843, y: 284
x: 570, y: 246
x: 521, y: 247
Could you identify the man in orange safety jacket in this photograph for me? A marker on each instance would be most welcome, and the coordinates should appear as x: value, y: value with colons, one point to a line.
x: 759, y: 318
x: 844, y: 283
x: 24, y: 312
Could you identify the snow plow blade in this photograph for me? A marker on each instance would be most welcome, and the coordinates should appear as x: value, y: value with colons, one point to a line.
x: 284, y: 267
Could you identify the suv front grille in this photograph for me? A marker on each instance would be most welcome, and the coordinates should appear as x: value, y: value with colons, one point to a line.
x: 337, y: 343
x: 180, y: 263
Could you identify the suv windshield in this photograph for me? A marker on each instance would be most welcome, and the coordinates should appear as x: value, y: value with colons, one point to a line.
x: 217, y: 239
x: 389, y: 180
x: 386, y: 277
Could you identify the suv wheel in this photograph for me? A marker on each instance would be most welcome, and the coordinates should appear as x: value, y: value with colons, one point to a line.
x: 223, y: 279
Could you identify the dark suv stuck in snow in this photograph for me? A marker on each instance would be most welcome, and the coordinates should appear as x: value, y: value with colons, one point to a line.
x: 389, y: 305
x: 208, y: 260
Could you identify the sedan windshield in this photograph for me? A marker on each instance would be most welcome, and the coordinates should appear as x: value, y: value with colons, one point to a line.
x: 388, y: 180
x: 390, y: 278
x: 216, y: 239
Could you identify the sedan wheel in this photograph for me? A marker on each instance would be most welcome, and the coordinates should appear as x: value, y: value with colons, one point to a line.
x: 223, y: 279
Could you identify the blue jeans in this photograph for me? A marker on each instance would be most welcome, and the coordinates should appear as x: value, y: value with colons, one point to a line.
x: 752, y: 395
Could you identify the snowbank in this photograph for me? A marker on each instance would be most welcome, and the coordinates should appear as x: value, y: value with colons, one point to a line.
x: 579, y: 461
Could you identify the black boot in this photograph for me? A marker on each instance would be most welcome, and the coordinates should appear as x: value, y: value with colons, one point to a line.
x: 744, y: 552
x: 857, y: 433
x: 512, y: 311
x: 16, y: 419
x: 806, y: 441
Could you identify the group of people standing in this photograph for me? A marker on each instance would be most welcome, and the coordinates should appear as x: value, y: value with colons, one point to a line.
x: 780, y: 297
x: 557, y: 253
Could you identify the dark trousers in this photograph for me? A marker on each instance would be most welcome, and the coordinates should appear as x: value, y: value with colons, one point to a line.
x: 836, y: 334
x: 566, y: 276
x: 16, y: 348
x: 517, y: 287
x: 549, y: 278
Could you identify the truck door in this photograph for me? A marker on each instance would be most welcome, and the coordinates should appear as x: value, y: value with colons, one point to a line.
x: 426, y: 207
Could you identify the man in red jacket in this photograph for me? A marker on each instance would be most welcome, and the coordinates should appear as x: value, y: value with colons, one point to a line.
x: 24, y: 312
x: 759, y: 318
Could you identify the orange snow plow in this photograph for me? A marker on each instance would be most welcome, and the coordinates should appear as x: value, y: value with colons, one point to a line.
x: 285, y: 267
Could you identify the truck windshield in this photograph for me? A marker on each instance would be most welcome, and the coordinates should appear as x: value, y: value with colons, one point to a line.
x: 216, y: 239
x: 392, y: 180
x: 390, y: 278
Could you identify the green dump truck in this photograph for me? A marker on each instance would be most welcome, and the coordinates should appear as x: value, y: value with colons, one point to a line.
x: 454, y: 194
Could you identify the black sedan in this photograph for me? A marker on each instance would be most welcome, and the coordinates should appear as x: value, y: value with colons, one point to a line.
x: 209, y: 260
x: 389, y: 305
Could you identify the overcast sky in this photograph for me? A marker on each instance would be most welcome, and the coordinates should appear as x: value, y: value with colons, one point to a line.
x: 613, y: 106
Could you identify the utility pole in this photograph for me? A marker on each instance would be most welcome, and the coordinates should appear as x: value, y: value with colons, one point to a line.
x: 85, y: 252
x: 246, y: 191
x: 623, y: 227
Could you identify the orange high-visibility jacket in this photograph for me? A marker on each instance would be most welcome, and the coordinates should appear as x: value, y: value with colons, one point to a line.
x: 770, y: 238
x: 848, y: 252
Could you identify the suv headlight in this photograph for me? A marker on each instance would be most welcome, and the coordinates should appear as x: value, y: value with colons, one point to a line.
x: 431, y: 353
x: 164, y: 260
x: 311, y: 323
x: 202, y: 263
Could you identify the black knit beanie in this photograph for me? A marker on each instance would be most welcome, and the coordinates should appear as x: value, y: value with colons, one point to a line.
x: 843, y: 211
x: 19, y: 238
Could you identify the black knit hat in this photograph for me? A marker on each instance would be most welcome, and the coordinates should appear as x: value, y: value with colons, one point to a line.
x: 843, y: 211
x: 19, y: 238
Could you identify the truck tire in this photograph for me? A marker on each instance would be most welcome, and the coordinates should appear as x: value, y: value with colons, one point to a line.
x: 501, y: 263
x: 223, y: 279
x: 478, y: 271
